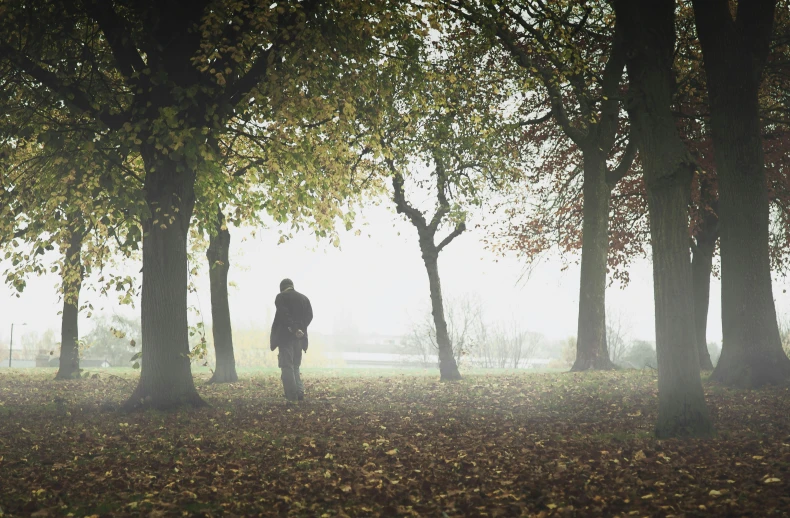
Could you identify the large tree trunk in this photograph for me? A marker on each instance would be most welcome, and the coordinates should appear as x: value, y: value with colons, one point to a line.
x: 218, y: 261
x: 650, y: 35
x: 448, y: 368
x: 734, y: 54
x: 591, y: 348
x: 681, y: 405
x: 165, y: 377
x: 69, y: 366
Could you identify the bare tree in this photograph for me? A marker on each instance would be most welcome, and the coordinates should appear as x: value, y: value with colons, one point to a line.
x: 617, y: 331
x: 421, y: 341
x: 505, y: 345
x: 464, y: 316
x: 521, y: 345
x: 474, y: 340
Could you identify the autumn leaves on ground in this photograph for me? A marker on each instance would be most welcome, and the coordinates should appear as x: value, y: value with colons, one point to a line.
x: 396, y: 444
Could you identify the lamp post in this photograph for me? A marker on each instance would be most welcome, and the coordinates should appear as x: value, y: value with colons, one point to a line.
x: 11, y: 344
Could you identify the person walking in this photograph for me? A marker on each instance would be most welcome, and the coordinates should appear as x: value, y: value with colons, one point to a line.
x: 289, y: 334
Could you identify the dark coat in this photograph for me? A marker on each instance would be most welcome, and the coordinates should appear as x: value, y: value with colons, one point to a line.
x: 293, y: 312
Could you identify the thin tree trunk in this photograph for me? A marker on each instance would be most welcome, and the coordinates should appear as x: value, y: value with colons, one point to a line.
x: 668, y: 168
x: 218, y: 260
x: 592, y: 352
x: 734, y: 53
x: 448, y: 368
x: 701, y: 266
x: 165, y: 377
x: 69, y: 365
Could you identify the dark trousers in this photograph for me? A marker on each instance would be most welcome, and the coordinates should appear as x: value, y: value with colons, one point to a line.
x: 289, y: 359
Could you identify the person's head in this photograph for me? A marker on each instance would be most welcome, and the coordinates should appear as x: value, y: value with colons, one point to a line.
x: 285, y: 284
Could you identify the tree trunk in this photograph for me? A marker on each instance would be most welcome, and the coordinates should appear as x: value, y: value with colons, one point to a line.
x: 592, y: 352
x: 681, y: 405
x: 448, y: 368
x: 165, y: 377
x: 218, y: 260
x: 69, y: 366
x: 701, y: 265
x: 650, y: 35
x: 734, y: 55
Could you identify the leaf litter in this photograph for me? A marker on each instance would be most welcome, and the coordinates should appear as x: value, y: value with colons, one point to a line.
x: 396, y: 444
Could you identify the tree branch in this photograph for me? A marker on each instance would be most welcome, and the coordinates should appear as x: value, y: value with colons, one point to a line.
x: 70, y: 95
x: 254, y: 163
x: 260, y: 68
x: 402, y: 206
x: 555, y: 95
x: 127, y: 58
x: 627, y: 160
x: 539, y: 120
x: 441, y: 195
x: 459, y: 229
x: 612, y: 74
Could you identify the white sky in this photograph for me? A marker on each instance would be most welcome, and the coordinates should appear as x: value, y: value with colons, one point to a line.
x: 378, y: 284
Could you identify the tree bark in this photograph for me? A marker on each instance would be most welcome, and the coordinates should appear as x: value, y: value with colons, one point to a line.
x: 734, y: 53
x: 69, y: 364
x: 591, y: 347
x: 218, y: 260
x: 165, y: 377
x: 668, y: 168
x: 681, y: 406
x: 701, y: 266
x: 448, y: 368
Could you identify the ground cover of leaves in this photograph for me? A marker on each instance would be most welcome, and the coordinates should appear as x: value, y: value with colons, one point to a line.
x: 512, y: 444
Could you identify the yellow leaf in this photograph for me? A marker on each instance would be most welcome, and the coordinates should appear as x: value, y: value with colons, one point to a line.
x: 772, y: 480
x: 392, y: 452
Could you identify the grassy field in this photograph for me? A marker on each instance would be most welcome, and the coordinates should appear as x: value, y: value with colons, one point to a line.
x: 388, y: 443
